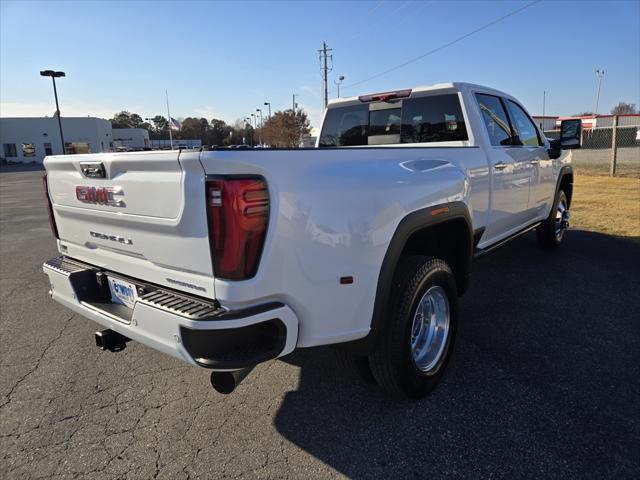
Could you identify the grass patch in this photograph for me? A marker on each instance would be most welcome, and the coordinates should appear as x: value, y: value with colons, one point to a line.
x: 609, y: 205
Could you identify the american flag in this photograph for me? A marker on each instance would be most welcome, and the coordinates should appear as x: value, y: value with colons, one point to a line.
x: 175, y: 125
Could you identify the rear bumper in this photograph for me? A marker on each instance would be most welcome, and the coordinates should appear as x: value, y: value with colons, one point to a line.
x: 198, y: 331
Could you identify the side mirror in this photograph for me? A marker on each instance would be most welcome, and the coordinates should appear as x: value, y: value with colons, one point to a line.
x: 570, y: 131
x: 554, y: 149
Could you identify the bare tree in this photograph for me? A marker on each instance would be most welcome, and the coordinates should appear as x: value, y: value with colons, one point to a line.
x: 285, y: 129
x: 623, y: 108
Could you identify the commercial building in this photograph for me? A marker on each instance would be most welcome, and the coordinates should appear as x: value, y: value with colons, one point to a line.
x: 545, y: 123
x: 126, y: 139
x: 177, y: 143
x: 30, y: 139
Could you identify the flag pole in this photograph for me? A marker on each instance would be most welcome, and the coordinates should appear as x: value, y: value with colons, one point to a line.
x: 170, y: 124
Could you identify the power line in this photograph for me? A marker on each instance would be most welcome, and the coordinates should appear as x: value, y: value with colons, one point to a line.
x: 441, y: 47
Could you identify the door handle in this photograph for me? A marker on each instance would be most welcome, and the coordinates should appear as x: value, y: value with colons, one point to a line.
x: 500, y: 166
x: 534, y: 162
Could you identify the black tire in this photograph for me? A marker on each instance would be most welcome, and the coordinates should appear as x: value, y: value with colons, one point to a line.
x: 391, y: 362
x: 546, y: 234
x: 353, y: 365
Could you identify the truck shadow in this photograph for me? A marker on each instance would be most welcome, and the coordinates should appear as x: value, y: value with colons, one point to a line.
x: 543, y: 380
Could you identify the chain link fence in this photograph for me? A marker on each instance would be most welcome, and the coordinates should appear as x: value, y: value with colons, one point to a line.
x: 612, y: 147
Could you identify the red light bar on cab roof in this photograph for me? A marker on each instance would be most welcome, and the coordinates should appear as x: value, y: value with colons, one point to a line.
x: 385, y: 96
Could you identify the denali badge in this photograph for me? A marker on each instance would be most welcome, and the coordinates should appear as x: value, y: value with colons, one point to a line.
x: 113, y: 238
x: 100, y: 195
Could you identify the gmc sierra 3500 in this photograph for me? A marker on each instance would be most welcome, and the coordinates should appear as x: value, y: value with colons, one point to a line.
x: 228, y: 258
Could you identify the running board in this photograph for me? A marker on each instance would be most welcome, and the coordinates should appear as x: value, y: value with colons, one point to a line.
x: 481, y: 252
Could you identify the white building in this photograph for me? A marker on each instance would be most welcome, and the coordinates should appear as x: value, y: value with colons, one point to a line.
x: 546, y: 123
x: 177, y: 143
x: 30, y: 139
x: 130, y: 138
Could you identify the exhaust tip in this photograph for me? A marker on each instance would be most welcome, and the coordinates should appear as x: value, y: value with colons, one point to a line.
x: 226, y: 382
x: 223, y: 382
x: 110, y: 340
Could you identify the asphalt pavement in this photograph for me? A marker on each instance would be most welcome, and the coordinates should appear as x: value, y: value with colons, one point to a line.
x: 544, y: 382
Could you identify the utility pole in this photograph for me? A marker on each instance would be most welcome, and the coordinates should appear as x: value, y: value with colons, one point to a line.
x: 325, y: 69
x: 544, y: 102
x: 599, y: 76
x: 170, y: 124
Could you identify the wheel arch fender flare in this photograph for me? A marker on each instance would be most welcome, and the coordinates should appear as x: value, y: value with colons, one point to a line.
x: 413, y: 222
x: 565, y: 171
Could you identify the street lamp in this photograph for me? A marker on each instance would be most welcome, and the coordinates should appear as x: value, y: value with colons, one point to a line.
x: 258, y: 110
x: 53, y: 74
x: 268, y: 103
x: 599, y: 76
x: 340, y: 79
x: 255, y: 120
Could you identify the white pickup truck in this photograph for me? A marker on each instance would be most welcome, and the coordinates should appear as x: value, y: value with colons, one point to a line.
x: 228, y: 258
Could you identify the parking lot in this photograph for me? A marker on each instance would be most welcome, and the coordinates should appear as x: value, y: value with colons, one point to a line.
x: 544, y: 382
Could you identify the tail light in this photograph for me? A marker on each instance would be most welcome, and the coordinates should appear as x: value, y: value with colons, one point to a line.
x: 238, y: 211
x: 52, y: 219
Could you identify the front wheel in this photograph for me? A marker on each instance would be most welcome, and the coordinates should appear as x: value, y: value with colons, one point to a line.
x: 550, y: 233
x: 416, y: 344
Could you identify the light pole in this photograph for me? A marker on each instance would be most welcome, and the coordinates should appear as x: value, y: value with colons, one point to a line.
x: 599, y: 76
x: 247, y: 125
x: 255, y: 120
x: 340, y: 79
x: 294, y: 104
x: 268, y: 103
x: 260, y: 131
x: 53, y: 74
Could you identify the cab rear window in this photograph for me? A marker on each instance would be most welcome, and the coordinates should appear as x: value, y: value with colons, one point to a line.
x: 435, y: 118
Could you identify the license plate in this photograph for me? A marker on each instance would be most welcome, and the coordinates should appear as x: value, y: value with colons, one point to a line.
x: 122, y: 292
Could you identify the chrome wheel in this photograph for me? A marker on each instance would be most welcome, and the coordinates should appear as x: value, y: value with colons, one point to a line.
x: 430, y: 329
x: 562, y: 218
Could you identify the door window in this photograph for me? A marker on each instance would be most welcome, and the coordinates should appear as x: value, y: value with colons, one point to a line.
x: 495, y: 119
x: 524, y: 127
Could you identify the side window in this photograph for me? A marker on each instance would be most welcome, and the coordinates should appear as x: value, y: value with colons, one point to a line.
x: 10, y: 150
x: 436, y: 118
x: 524, y: 127
x: 495, y: 119
x: 28, y: 149
x: 345, y: 126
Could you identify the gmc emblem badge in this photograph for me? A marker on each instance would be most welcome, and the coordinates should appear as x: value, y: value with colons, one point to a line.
x: 101, y: 195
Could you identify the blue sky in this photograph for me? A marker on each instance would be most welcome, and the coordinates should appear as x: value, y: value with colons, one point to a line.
x: 224, y: 59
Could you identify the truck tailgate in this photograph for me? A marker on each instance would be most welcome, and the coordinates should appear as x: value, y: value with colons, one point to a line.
x: 140, y: 214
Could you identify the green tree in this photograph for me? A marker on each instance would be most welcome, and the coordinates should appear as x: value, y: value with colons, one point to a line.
x: 160, y: 128
x: 122, y: 120
x: 217, y: 133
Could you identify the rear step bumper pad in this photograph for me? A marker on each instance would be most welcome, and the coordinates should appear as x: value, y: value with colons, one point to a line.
x: 219, y: 340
